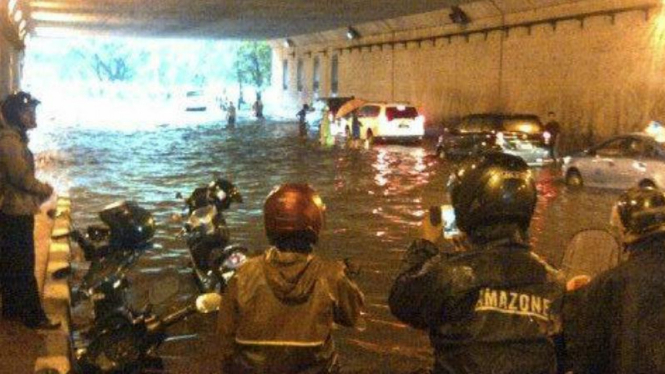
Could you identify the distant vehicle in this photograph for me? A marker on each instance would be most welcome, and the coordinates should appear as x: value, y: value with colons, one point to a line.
x: 621, y: 162
x: 521, y: 135
x: 196, y: 101
x: 327, y: 107
x: 387, y: 121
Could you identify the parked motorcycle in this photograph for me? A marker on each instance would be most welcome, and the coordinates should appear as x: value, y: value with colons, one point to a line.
x: 111, y: 250
x: 129, y: 343
x: 207, y: 234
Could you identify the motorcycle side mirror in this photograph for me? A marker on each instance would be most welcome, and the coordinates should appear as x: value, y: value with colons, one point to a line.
x: 208, y: 303
x: 589, y: 253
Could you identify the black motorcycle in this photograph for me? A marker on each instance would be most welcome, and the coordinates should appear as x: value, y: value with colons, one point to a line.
x: 128, y: 343
x: 207, y: 234
x: 111, y: 250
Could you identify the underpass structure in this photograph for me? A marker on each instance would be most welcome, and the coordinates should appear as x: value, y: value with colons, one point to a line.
x: 596, y: 63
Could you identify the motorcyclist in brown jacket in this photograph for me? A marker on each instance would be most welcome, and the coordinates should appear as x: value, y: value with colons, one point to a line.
x: 278, y: 311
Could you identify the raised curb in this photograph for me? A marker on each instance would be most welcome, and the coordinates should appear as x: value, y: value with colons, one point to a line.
x: 56, y: 295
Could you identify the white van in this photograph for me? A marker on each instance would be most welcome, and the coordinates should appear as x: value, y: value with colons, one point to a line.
x: 388, y: 121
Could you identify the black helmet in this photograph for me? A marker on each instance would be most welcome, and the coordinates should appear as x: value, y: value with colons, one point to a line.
x: 14, y: 104
x: 493, y: 188
x: 293, y: 209
x: 641, y: 213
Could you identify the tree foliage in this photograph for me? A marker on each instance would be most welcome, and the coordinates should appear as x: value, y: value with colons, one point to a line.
x: 253, y: 64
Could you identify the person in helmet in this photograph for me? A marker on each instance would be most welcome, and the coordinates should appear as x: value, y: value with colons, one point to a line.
x: 616, y: 321
x: 489, y: 308
x: 22, y: 195
x: 278, y: 311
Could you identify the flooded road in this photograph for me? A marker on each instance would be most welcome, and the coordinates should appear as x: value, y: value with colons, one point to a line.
x: 375, y: 197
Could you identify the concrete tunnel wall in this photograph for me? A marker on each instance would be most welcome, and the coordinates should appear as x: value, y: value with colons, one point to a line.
x: 601, y: 74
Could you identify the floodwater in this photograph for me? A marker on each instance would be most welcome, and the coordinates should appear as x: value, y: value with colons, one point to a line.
x: 375, y: 197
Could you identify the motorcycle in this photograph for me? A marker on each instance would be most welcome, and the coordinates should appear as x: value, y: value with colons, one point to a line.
x: 128, y: 344
x: 207, y: 234
x: 111, y: 250
x: 127, y: 341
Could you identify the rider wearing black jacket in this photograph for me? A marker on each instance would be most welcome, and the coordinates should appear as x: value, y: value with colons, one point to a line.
x: 617, y: 321
x: 489, y: 308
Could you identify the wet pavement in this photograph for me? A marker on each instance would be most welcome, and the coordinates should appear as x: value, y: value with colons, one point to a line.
x: 376, y: 197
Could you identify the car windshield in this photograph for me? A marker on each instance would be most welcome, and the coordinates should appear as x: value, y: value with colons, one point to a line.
x: 525, y: 125
x: 396, y: 112
x: 477, y: 124
x: 496, y: 123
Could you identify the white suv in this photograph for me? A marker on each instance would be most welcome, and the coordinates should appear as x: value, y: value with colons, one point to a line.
x: 388, y: 121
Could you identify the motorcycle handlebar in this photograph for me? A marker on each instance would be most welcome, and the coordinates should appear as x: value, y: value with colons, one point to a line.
x: 175, y: 317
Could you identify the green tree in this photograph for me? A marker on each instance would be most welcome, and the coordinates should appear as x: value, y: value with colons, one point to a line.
x: 253, y: 64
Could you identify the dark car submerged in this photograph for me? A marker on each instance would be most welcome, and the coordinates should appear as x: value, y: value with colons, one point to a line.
x: 521, y: 135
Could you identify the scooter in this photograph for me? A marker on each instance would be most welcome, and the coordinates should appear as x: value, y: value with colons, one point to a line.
x: 128, y: 344
x: 207, y: 234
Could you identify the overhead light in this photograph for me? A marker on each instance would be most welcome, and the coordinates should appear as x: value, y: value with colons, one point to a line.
x: 288, y: 43
x: 458, y: 16
x: 352, y: 33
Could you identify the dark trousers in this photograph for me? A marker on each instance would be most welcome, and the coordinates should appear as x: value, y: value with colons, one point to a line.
x: 18, y: 285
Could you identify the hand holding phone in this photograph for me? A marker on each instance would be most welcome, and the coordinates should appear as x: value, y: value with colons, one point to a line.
x: 432, y: 225
x: 450, y: 229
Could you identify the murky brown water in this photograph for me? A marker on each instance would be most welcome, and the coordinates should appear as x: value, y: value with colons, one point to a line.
x: 375, y: 198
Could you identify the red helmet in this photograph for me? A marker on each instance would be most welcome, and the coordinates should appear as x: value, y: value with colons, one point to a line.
x: 293, y: 208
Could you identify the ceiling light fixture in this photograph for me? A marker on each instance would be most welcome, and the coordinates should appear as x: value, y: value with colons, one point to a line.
x: 458, y: 16
x: 352, y: 33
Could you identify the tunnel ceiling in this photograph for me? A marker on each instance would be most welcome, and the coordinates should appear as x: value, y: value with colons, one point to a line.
x: 250, y: 19
x: 256, y: 19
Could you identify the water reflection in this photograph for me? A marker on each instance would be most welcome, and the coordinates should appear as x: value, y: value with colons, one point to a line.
x: 376, y: 198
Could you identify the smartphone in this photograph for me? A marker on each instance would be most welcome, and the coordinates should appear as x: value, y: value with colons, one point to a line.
x: 444, y: 214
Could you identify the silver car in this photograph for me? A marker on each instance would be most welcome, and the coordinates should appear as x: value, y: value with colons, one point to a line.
x: 621, y: 162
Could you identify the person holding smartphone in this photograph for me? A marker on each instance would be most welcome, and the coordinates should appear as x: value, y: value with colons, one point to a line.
x: 488, y: 309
